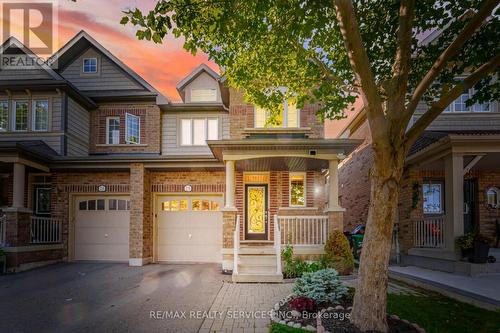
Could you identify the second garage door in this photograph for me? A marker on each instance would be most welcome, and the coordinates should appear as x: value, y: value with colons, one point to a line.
x: 189, y: 228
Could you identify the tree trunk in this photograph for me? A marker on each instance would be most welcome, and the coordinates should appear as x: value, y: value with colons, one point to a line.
x: 370, y: 299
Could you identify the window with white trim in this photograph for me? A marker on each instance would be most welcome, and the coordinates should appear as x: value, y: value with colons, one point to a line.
x: 287, y: 117
x: 433, y: 197
x: 459, y: 105
x: 132, y: 128
x: 297, y: 189
x: 113, y: 130
x: 20, y: 116
x: 4, y: 116
x: 40, y: 115
x: 203, y: 95
x: 196, y: 131
x: 90, y: 65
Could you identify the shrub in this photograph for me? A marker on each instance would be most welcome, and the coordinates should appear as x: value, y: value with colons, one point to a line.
x: 321, y: 286
x: 338, y: 253
x: 293, y: 268
x: 303, y: 304
x: 466, y: 241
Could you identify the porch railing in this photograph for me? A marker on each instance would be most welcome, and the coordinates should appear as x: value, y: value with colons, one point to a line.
x: 3, y: 229
x: 236, y: 247
x: 45, y: 230
x: 429, y: 232
x: 303, y: 230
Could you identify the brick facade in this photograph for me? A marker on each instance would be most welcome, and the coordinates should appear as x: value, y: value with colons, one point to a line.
x: 150, y: 128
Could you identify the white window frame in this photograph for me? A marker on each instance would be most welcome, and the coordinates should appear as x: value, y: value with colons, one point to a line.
x: 6, y: 101
x: 33, y: 114
x: 285, y: 117
x: 127, y: 116
x: 14, y: 115
x: 303, y: 174
x: 96, y: 65
x: 214, y: 90
x: 451, y: 108
x: 205, y: 119
x: 107, y: 130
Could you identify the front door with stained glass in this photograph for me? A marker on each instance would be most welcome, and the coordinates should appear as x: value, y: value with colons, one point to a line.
x: 256, y: 212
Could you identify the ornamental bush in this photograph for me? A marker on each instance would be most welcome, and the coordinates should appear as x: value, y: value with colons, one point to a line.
x: 338, y: 253
x: 321, y: 286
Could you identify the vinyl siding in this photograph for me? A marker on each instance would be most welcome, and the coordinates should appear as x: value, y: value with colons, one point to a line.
x: 170, y: 133
x: 108, y: 76
x: 53, y: 141
x: 203, y: 81
x: 78, y: 129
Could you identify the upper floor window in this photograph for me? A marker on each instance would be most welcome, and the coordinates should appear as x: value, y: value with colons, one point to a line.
x: 113, y: 130
x: 20, y: 116
x: 297, y: 189
x: 90, y: 65
x: 132, y: 128
x: 204, y: 95
x: 459, y: 105
x: 287, y: 117
x: 40, y: 115
x: 433, y: 197
x: 4, y: 115
x: 196, y: 131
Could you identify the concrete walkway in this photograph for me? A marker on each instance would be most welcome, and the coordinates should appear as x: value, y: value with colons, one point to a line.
x: 483, y: 291
x: 244, y: 307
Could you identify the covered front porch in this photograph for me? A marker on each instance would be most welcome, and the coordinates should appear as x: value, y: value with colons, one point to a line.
x: 451, y: 188
x: 278, y: 192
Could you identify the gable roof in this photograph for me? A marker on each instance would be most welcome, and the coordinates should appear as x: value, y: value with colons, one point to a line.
x: 81, y: 41
x: 202, y: 68
x: 12, y: 42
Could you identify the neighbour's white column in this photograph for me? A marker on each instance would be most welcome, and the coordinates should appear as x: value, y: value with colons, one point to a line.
x: 454, y: 197
x: 18, y: 186
x: 333, y: 201
x: 230, y: 184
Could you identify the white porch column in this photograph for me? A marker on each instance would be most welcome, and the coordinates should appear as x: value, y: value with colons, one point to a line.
x: 230, y: 185
x: 333, y: 200
x: 18, y: 186
x: 454, y: 199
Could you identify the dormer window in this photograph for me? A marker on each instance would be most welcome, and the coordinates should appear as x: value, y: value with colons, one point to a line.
x: 288, y: 117
x: 90, y: 65
x: 203, y: 95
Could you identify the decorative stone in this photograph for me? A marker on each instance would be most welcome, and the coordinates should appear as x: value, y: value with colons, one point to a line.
x: 339, y: 307
x: 282, y: 322
x: 276, y: 306
x: 405, y: 321
x: 349, y: 308
x: 330, y: 308
x: 310, y: 328
x: 395, y: 317
x: 323, y: 311
x: 295, y: 313
x: 282, y: 302
x: 297, y: 325
x: 290, y: 323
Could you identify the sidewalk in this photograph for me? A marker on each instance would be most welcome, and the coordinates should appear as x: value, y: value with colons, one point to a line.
x: 482, y: 291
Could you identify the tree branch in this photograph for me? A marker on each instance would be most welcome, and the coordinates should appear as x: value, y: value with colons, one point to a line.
x: 361, y: 66
x: 401, y: 67
x: 436, y: 108
x: 475, y: 22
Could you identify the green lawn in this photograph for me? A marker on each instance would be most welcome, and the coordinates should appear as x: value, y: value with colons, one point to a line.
x: 435, y: 313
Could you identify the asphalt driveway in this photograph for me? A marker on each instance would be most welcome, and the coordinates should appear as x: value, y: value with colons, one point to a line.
x: 96, y: 297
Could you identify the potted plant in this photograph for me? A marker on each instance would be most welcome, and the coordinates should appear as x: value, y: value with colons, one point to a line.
x: 466, y: 244
x: 3, y: 261
x: 481, y: 249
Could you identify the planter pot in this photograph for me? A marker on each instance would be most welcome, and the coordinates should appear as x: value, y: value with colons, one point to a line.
x: 480, y: 255
x: 3, y: 264
x: 467, y: 253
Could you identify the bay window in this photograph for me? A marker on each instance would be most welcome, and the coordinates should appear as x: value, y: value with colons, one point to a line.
x: 40, y: 115
x: 132, y: 128
x: 113, y: 130
x: 433, y: 201
x: 20, y: 116
x: 196, y: 131
x: 4, y: 116
x: 288, y: 116
x: 297, y: 189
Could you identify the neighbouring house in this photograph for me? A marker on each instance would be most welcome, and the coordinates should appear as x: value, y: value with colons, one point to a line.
x: 451, y: 183
x: 95, y: 164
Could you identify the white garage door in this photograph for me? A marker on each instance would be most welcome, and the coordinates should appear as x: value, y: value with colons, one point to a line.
x: 102, y: 228
x: 189, y: 228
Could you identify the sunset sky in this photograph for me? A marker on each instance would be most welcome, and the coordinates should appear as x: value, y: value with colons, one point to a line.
x: 161, y: 65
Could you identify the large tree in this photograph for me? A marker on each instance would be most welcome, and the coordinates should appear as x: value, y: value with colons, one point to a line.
x: 331, y: 52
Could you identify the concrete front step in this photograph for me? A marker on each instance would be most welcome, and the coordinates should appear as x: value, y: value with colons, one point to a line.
x: 257, y: 269
x: 256, y: 250
x: 270, y: 278
x: 252, y: 259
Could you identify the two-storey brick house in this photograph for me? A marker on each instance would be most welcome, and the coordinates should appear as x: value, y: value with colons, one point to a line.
x: 96, y: 164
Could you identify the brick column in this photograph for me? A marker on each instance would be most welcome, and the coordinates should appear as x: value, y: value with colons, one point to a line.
x: 228, y: 225
x: 141, y: 226
x: 335, y: 220
x: 334, y: 212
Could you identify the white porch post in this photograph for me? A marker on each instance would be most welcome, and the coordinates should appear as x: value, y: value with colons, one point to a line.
x: 18, y: 186
x: 333, y: 200
x: 454, y: 197
x: 230, y: 184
